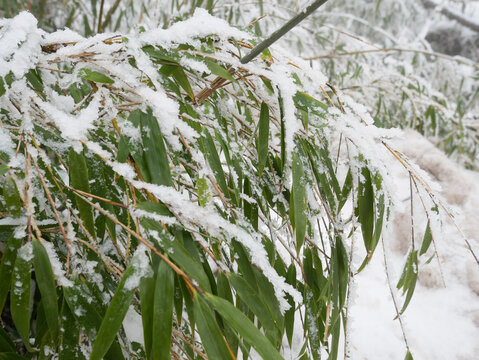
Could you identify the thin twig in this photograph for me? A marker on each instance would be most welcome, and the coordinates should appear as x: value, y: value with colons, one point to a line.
x: 386, y: 50
x: 398, y: 314
x: 100, y: 16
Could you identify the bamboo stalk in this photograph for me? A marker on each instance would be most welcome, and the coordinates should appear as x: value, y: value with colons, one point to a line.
x: 258, y: 49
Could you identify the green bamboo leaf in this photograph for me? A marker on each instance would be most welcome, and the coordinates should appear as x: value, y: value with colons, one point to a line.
x: 6, y: 267
x: 211, y: 154
x: 426, y: 242
x: 408, y: 279
x: 366, y: 213
x: 380, y: 211
x: 34, y: 78
x: 209, y: 331
x: 115, y: 313
x: 163, y: 312
x: 20, y: 293
x: 154, y: 150
x: 289, y: 315
x: 69, y: 336
x: 267, y: 295
x: 6, y: 344
x: 203, y: 191
x: 154, y: 207
x: 259, y: 308
x: 76, y: 93
x: 136, y: 147
x: 333, y: 182
x: 177, y: 72
x: 2, y: 86
x: 308, y: 103
x: 47, y: 286
x: 408, y: 355
x: 282, y: 139
x: 160, y: 54
x: 244, y: 265
x: 95, y: 76
x: 224, y: 291
x: 11, y: 356
x: 79, y: 179
x: 176, y: 250
x: 41, y: 328
x: 178, y: 301
x: 12, y: 197
x: 366, y: 208
x: 250, y: 209
x: 87, y: 313
x: 123, y: 150
x: 299, y: 199
x: 218, y: 70
x: 346, y: 190
x: 102, y: 186
x: 238, y: 321
x: 147, y: 295
x: 339, y: 271
x: 263, y: 137
x: 3, y: 169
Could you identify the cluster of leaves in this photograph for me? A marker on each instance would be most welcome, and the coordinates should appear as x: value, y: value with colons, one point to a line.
x: 376, y: 53
x: 216, y: 218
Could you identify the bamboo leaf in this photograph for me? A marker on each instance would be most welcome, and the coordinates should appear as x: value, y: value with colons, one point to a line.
x: 218, y: 70
x: 114, y: 314
x: 289, y: 315
x: 6, y: 344
x: 224, y: 291
x: 366, y: 208
x: 11, y: 356
x: 46, y: 284
x: 87, y: 313
x: 20, y: 293
x: 147, y: 295
x: 203, y: 191
x: 366, y: 214
x: 163, y: 312
x: 408, y: 279
x: 69, y: 336
x: 346, y: 190
x: 238, y: 321
x: 34, y: 78
x: 177, y: 72
x: 179, y: 254
x: 78, y: 172
x: 426, y: 242
x: 2, y: 86
x: 250, y: 298
x: 3, y: 169
x: 263, y: 137
x: 12, y: 197
x: 95, y: 76
x: 299, y: 198
x: 160, y: 54
x: 209, y: 331
x: 6, y: 267
x: 308, y: 103
x: 211, y: 154
x: 154, y: 150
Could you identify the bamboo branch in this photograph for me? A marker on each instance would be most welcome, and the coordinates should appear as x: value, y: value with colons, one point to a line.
x: 451, y: 14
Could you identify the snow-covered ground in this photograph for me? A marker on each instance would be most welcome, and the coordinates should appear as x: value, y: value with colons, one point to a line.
x: 442, y: 320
